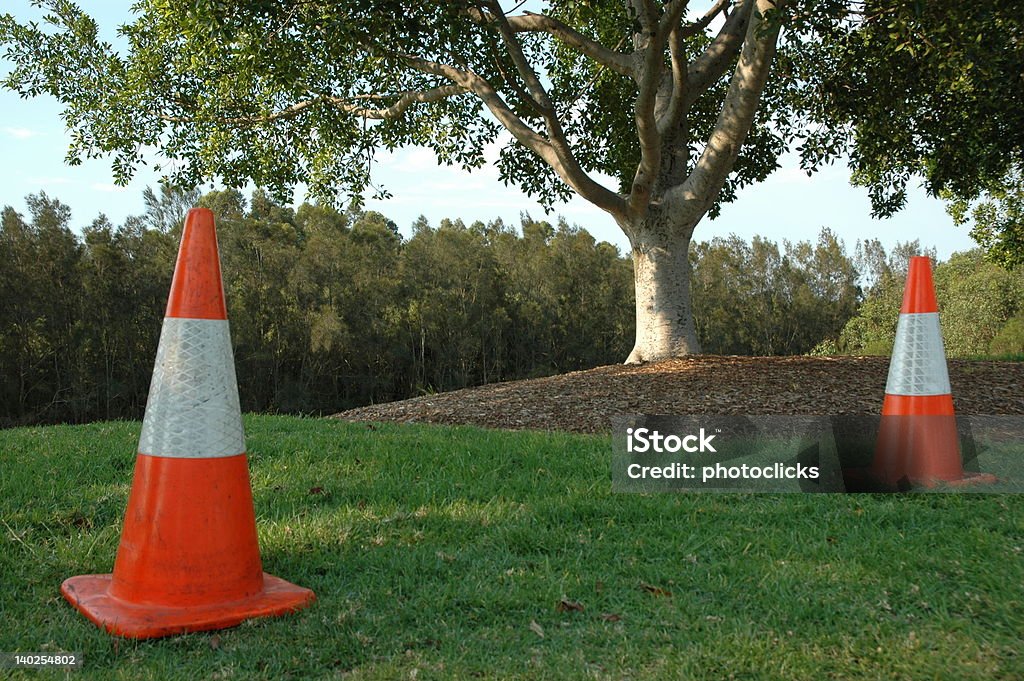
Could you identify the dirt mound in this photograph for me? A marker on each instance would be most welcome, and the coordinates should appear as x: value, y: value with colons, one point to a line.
x: 586, y: 401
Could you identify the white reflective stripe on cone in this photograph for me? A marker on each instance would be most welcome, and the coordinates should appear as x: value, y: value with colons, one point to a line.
x: 192, y: 410
x: 918, y: 365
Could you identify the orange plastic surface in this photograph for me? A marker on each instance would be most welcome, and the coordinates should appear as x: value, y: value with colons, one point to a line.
x: 919, y: 294
x: 197, y: 291
x: 189, y: 533
x: 90, y: 594
x: 915, y: 450
x: 189, y: 558
x: 922, y: 405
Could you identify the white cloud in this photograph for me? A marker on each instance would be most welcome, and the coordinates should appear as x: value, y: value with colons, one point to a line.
x: 48, y: 181
x: 407, y: 160
x: 418, y: 159
x: 106, y: 187
x: 20, y: 133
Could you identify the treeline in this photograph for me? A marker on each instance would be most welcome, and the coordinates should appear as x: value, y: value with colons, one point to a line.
x: 328, y: 309
x: 981, y: 305
x: 758, y: 299
x: 333, y: 309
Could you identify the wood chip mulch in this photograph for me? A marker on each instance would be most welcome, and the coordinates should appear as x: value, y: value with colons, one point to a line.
x: 586, y: 401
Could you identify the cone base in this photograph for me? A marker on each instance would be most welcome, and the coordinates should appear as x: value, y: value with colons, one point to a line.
x: 969, y: 480
x: 862, y: 480
x: 89, y: 594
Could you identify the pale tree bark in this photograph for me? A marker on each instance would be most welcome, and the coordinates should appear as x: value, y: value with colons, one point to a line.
x: 660, y: 231
x: 661, y: 276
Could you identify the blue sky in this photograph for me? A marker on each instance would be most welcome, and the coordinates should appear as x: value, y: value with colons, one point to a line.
x: 789, y: 205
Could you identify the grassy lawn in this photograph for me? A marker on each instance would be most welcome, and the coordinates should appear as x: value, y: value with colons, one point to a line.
x: 445, y: 552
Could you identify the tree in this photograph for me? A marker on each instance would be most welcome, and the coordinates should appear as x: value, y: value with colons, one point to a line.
x: 305, y: 91
x: 329, y: 309
x: 41, y: 279
x: 454, y: 306
x: 981, y: 305
x: 998, y: 220
x: 166, y: 212
x: 976, y: 301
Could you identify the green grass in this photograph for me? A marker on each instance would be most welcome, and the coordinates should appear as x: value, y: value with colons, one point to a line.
x: 1006, y: 357
x: 433, y: 550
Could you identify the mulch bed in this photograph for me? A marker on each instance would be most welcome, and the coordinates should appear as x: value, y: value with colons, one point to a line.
x: 586, y: 401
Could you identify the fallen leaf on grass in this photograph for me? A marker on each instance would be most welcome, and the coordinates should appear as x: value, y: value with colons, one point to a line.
x: 316, y: 490
x: 655, y: 590
x: 536, y: 628
x: 610, y: 617
x: 565, y: 605
x: 215, y: 642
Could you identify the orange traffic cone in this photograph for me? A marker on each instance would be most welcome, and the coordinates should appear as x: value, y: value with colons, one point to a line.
x: 918, y: 443
x: 189, y: 557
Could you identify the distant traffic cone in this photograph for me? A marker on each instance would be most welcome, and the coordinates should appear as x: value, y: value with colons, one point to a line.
x: 189, y: 557
x: 918, y: 443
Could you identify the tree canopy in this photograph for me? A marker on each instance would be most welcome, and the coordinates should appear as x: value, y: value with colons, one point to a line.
x: 290, y: 92
x: 297, y: 91
x: 931, y: 90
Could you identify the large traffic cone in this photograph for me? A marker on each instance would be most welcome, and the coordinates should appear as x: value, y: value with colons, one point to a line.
x: 189, y: 558
x: 918, y: 443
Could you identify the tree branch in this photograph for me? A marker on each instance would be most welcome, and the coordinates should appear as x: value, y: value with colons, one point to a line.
x: 673, y: 114
x: 653, y: 48
x: 696, y: 27
x: 701, y: 188
x: 671, y: 15
x: 554, y: 152
x: 713, y: 62
x: 537, y: 92
x: 529, y: 22
x: 511, y: 82
x: 490, y: 97
x: 403, y: 102
x: 646, y: 14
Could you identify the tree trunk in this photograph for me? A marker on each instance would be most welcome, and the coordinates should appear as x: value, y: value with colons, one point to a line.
x: 665, y: 203
x: 664, y: 317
